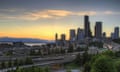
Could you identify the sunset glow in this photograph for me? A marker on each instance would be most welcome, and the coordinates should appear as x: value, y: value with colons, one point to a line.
x: 42, y: 19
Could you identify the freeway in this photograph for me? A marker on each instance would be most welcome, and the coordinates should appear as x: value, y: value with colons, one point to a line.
x: 47, y: 61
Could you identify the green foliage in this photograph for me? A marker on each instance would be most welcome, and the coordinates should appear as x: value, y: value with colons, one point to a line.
x: 68, y: 70
x: 117, y: 65
x: 87, y: 67
x: 109, y: 53
x: 31, y: 69
x: 82, y: 59
x: 9, y: 53
x: 103, y: 64
x: 16, y: 62
x: 3, y: 65
x: 117, y: 54
x: 9, y: 63
x: 86, y: 57
x: 28, y: 60
x: 18, y: 69
x: 21, y: 62
x: 47, y: 69
x: 78, y: 60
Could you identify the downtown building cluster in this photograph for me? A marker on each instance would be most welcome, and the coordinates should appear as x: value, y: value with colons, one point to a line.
x: 84, y: 35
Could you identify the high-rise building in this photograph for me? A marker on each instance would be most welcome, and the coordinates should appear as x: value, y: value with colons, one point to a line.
x: 112, y: 35
x: 104, y: 35
x: 56, y: 37
x: 116, y: 32
x: 78, y: 31
x: 63, y: 37
x: 98, y: 30
x: 72, y: 35
x: 87, y: 26
x: 80, y: 34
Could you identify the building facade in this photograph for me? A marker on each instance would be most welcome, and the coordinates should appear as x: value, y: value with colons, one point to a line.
x: 98, y: 30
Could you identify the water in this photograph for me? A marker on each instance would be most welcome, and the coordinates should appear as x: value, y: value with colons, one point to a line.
x: 28, y: 44
x: 34, y: 44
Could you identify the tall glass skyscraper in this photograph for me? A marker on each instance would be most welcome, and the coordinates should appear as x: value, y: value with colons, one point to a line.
x: 98, y: 30
x: 72, y: 35
x: 116, y: 33
x: 87, y: 26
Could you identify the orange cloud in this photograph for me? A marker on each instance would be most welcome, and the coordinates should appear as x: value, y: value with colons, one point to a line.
x: 46, y: 14
x: 54, y: 14
x: 82, y: 13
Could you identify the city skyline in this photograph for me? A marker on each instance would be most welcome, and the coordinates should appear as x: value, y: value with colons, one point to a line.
x: 43, y: 18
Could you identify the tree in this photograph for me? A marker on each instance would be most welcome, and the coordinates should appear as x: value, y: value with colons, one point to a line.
x: 87, y: 67
x: 103, y: 64
x: 117, y: 54
x: 9, y: 63
x: 78, y: 60
x: 21, y: 62
x: 18, y: 69
x: 16, y: 63
x: 117, y: 65
x: 28, y: 60
x: 68, y: 70
x: 47, y: 69
x: 3, y: 65
x: 109, y: 53
x: 86, y: 57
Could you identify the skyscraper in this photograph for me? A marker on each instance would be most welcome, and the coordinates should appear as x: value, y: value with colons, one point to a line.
x: 72, y: 35
x: 87, y: 26
x: 78, y: 31
x: 98, y: 30
x: 116, y: 32
x: 56, y: 37
x: 112, y: 35
x: 80, y: 34
x: 63, y: 37
x: 104, y: 35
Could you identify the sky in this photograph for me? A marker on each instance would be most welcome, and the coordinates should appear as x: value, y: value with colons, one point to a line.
x: 43, y: 18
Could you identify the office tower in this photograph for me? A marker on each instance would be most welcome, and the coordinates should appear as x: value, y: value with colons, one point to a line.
x: 116, y: 33
x: 98, y: 30
x: 72, y: 35
x: 87, y: 26
x: 63, y: 37
x: 104, y: 35
x: 78, y: 31
x: 112, y: 35
x: 80, y: 34
x: 56, y: 37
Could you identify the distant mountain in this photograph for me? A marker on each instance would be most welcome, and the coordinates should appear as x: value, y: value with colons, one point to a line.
x: 30, y: 40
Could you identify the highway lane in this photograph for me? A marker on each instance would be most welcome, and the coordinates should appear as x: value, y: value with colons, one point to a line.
x: 57, y: 60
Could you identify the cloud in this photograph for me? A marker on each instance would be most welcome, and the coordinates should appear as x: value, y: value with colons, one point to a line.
x: 111, y: 13
x: 108, y: 12
x: 7, y: 17
x: 82, y: 13
x: 53, y: 14
x: 46, y: 14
